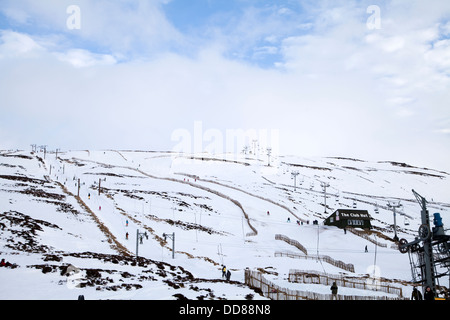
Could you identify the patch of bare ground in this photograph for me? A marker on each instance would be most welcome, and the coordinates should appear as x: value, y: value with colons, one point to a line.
x: 138, y: 271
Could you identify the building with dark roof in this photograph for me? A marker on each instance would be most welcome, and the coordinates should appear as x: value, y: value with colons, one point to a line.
x: 343, y: 218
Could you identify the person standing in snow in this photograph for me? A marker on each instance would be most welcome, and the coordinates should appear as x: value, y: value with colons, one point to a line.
x: 228, y: 275
x: 224, y: 271
x: 429, y: 294
x: 126, y: 235
x: 334, y: 291
x: 416, y: 295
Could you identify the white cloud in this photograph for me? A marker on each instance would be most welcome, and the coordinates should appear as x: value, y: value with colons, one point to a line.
x: 439, y: 56
x: 15, y: 14
x: 261, y: 52
x: 400, y: 100
x: 126, y: 28
x: 83, y: 58
x: 123, y: 79
x: 17, y: 44
x: 444, y: 131
x: 393, y: 44
x: 445, y: 28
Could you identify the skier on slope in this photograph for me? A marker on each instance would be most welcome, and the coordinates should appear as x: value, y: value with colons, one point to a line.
x: 224, y: 271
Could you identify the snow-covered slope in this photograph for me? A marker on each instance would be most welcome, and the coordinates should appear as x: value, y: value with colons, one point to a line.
x: 222, y: 209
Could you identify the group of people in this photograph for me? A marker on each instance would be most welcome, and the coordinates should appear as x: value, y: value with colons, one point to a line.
x: 299, y: 222
x: 427, y: 295
x: 416, y: 295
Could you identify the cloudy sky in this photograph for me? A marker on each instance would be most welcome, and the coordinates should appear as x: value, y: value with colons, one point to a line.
x: 363, y: 79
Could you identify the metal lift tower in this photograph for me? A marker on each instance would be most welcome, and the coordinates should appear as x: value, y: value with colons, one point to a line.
x: 431, y: 247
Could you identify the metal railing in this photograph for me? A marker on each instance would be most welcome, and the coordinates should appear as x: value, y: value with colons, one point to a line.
x: 272, y: 291
x: 337, y: 263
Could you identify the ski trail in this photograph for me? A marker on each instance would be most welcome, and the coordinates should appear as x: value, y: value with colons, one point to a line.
x: 224, y: 196
x: 253, y: 195
x: 115, y: 244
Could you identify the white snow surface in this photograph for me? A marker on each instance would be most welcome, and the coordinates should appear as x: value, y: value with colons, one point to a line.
x: 194, y: 197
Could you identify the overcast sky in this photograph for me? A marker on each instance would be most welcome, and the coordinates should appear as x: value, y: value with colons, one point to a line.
x: 362, y: 79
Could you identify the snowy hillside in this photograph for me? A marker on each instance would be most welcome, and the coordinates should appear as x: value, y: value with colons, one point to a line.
x: 231, y: 210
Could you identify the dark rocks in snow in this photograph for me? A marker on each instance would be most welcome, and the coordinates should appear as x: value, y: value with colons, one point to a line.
x: 93, y: 273
x: 133, y: 278
x: 24, y: 230
x: 39, y: 193
x: 17, y: 219
x: 52, y: 257
x: 179, y: 296
x: 47, y: 269
x: 22, y: 179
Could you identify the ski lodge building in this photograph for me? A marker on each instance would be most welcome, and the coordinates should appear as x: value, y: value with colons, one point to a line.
x: 343, y: 218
